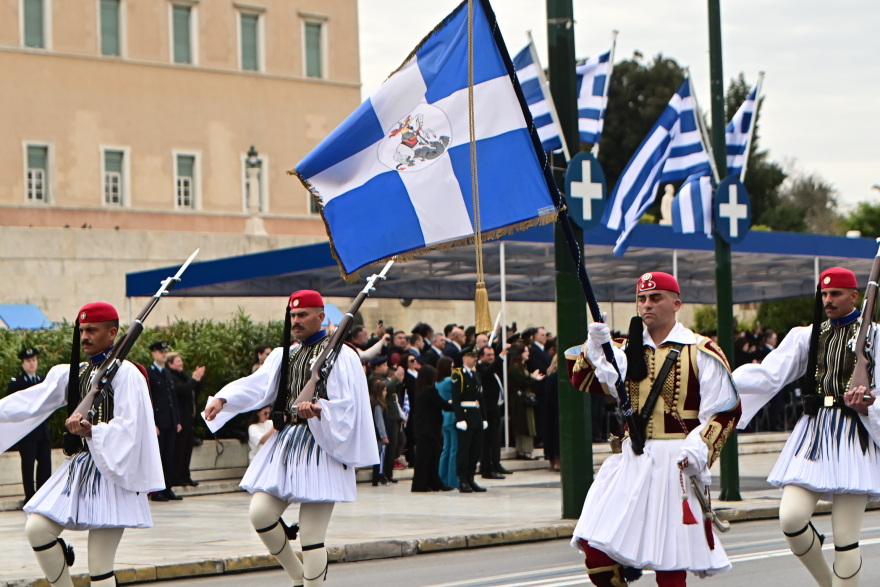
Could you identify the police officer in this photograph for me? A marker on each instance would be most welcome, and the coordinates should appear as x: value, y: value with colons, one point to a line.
x: 165, y: 413
x: 470, y: 419
x: 36, y: 447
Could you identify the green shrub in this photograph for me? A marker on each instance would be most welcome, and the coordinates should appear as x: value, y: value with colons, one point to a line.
x: 226, y: 349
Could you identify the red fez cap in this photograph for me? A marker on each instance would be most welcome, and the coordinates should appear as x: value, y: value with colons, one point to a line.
x: 305, y: 298
x: 657, y: 280
x: 97, y: 312
x: 838, y: 277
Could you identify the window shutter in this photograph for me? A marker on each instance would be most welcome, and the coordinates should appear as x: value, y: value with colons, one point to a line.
x: 113, y: 161
x: 182, y: 46
x: 110, y: 27
x: 33, y: 23
x: 37, y: 157
x: 313, y: 49
x: 249, y: 56
x: 185, y: 165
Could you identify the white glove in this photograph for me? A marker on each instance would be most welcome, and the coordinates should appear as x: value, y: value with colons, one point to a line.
x: 695, y: 462
x: 599, y: 333
x: 485, y: 424
x: 462, y: 425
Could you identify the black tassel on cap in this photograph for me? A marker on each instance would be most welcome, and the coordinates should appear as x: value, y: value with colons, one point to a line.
x: 810, y: 391
x: 636, y: 366
x: 73, y: 379
x: 282, y: 398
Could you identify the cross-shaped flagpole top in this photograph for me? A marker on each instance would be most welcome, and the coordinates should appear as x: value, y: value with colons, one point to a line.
x: 586, y: 189
x: 733, y: 211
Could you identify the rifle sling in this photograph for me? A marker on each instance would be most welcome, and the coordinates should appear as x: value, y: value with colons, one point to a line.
x: 657, y: 387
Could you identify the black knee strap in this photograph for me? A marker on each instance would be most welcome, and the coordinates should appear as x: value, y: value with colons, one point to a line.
x: 804, y: 529
x: 313, y: 546
x: 852, y: 546
x: 45, y: 546
x: 102, y: 577
x: 858, y: 570
x: 267, y: 528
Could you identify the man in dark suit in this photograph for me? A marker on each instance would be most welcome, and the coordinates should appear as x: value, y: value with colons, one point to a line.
x: 166, y: 414
x: 470, y: 419
x: 540, y: 360
x: 36, y: 447
x: 454, y: 337
x: 490, y: 369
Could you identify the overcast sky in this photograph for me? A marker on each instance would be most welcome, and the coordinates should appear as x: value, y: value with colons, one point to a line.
x: 822, y: 64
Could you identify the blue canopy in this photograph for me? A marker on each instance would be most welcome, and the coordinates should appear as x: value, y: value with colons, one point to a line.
x: 23, y: 316
x: 766, y: 265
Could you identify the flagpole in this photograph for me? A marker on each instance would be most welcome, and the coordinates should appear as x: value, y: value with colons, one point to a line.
x: 551, y: 106
x: 595, y: 149
x: 698, y: 117
x: 742, y: 173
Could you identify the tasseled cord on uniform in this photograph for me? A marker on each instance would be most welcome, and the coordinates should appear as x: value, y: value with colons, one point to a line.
x: 687, y: 516
x: 636, y: 366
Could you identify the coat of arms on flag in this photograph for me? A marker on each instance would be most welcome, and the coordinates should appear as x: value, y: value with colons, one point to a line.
x: 406, y: 151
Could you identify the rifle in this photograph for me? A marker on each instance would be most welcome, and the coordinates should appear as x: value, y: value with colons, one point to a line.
x: 316, y: 386
x: 863, y: 347
x: 101, y: 379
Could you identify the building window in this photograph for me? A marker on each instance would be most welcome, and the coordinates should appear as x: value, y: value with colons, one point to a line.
x: 37, y: 174
x: 110, y: 27
x: 314, y: 43
x: 260, y: 186
x: 114, y: 178
x: 181, y: 21
x: 34, y: 16
x: 250, y: 41
x: 186, y: 181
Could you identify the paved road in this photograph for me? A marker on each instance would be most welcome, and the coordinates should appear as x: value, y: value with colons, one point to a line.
x: 757, y: 550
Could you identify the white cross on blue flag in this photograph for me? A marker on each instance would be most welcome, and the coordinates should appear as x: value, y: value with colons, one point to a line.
x: 592, y: 77
x: 672, y: 151
x: 528, y: 74
x: 737, y: 134
x: 692, y: 206
x: 404, y: 156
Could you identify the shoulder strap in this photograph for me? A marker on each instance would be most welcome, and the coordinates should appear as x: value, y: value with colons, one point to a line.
x: 657, y: 387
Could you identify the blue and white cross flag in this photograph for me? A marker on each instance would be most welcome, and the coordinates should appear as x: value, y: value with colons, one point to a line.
x: 403, y: 157
x: 592, y: 78
x: 732, y: 210
x: 737, y: 134
x: 672, y: 151
x: 540, y: 104
x: 692, y: 206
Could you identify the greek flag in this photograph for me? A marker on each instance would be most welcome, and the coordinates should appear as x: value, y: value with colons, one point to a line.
x: 592, y: 78
x: 540, y: 104
x: 737, y: 133
x: 395, y: 177
x: 672, y: 151
x: 692, y: 206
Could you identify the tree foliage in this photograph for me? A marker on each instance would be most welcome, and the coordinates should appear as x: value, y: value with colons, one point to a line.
x: 864, y: 218
x: 783, y: 315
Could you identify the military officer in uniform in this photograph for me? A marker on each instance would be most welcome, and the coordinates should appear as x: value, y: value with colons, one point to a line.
x: 830, y: 455
x: 166, y: 414
x: 36, y: 447
x: 633, y: 516
x: 470, y: 419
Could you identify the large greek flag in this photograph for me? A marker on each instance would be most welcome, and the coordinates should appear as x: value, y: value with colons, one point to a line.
x: 672, y: 151
x: 540, y: 104
x: 692, y: 206
x: 737, y: 133
x: 395, y: 177
x: 592, y: 78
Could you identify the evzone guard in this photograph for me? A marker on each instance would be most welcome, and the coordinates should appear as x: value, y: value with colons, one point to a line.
x: 311, y: 459
x: 637, y: 512
x: 103, y: 486
x: 830, y: 454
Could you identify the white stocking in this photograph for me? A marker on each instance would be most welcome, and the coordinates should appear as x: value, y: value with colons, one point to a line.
x: 847, y: 511
x: 313, y: 520
x: 102, y: 552
x: 42, y: 534
x: 795, y: 510
x: 265, y: 512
